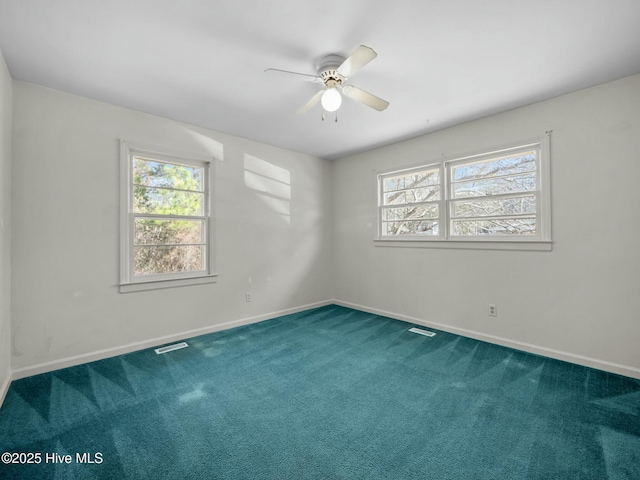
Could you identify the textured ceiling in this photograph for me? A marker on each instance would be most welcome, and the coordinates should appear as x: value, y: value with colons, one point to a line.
x: 440, y: 62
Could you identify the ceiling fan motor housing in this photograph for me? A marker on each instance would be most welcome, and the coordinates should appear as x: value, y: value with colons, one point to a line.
x: 328, y: 70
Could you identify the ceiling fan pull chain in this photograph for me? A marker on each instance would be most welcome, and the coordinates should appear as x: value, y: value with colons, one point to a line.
x: 336, y: 116
x: 323, y: 116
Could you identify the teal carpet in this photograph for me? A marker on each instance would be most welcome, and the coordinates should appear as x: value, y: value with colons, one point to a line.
x: 330, y: 393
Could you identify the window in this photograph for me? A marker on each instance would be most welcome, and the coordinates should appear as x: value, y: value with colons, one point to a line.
x: 166, y: 225
x: 411, y: 202
x: 500, y: 196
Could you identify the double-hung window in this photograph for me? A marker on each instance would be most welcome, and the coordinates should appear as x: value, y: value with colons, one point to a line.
x: 166, y: 222
x: 411, y: 202
x: 495, y: 195
x: 499, y: 196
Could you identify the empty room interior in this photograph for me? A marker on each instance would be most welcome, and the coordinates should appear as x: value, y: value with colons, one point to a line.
x: 304, y: 240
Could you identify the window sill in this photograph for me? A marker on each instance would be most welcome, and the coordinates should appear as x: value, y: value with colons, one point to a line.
x: 159, y: 284
x: 534, y: 246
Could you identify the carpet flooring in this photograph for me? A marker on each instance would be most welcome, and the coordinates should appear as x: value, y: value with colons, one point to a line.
x: 329, y: 393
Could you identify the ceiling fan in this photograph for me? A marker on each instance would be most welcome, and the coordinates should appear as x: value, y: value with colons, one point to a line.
x: 333, y: 73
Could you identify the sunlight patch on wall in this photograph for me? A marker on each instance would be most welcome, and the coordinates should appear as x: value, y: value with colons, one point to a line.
x: 208, y: 144
x: 270, y: 183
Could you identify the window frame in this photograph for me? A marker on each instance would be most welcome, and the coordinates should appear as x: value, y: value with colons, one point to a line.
x: 408, y: 171
x: 541, y: 241
x: 130, y: 282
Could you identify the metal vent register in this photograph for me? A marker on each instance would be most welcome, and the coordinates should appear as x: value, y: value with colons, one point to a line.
x: 171, y: 348
x: 419, y: 331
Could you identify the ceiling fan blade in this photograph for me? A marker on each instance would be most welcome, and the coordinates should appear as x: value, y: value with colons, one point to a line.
x: 367, y: 98
x: 286, y: 73
x: 356, y: 61
x: 307, y: 106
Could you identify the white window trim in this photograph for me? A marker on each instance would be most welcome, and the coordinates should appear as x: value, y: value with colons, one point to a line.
x: 127, y: 282
x: 542, y: 242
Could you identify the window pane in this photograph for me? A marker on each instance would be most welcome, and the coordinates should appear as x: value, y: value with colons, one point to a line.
x: 495, y: 186
x: 154, y: 232
x: 413, y: 180
x: 414, y: 195
x: 410, y: 213
x: 150, y: 260
x: 494, y: 227
x: 507, y: 165
x: 412, y: 227
x: 159, y: 174
x: 488, y: 208
x: 167, y: 202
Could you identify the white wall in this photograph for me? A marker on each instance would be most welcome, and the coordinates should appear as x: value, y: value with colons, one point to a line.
x: 66, y: 231
x: 5, y: 226
x: 581, y: 301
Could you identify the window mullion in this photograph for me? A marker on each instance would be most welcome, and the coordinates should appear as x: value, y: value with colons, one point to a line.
x: 174, y: 189
x: 495, y: 177
x: 409, y: 205
x: 132, y: 243
x: 380, y: 192
x: 169, y: 245
x: 496, y: 217
x: 445, y: 201
x: 539, y: 226
x: 498, y: 196
x: 163, y: 216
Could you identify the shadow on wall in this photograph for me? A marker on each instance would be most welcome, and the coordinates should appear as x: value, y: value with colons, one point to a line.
x: 271, y: 184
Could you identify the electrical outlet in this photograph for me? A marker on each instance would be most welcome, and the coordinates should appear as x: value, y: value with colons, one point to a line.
x: 493, y: 310
x: 247, y: 297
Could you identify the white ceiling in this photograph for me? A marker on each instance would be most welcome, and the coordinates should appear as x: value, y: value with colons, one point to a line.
x: 440, y: 62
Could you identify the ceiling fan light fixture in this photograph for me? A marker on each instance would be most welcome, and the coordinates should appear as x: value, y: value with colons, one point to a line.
x: 331, y: 99
x: 334, y: 71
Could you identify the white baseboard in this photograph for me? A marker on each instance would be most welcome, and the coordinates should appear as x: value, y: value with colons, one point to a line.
x: 543, y: 351
x: 131, y: 347
x: 154, y: 342
x: 4, y: 388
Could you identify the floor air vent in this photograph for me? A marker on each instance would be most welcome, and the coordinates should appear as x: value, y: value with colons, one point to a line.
x: 171, y: 348
x: 426, y: 333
